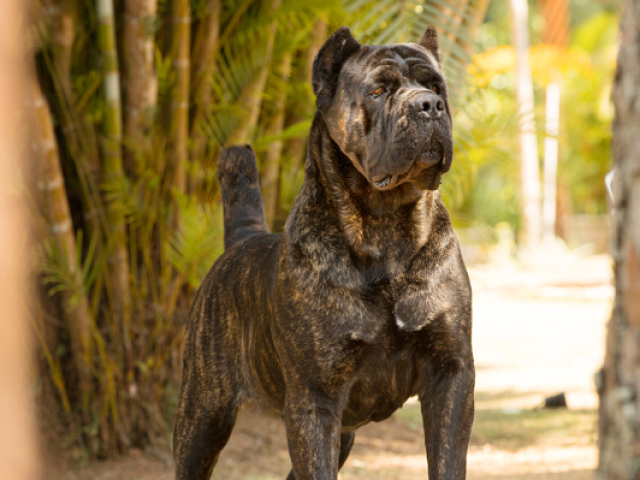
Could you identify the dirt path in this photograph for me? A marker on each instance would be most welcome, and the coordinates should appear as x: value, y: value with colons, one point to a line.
x: 537, y: 332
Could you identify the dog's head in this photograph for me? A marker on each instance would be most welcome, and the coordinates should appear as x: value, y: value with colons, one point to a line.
x: 386, y: 108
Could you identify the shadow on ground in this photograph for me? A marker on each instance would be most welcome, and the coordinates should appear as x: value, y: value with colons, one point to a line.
x: 530, y: 445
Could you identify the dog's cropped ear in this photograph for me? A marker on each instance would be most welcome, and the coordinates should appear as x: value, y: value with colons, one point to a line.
x: 327, y: 64
x: 429, y: 40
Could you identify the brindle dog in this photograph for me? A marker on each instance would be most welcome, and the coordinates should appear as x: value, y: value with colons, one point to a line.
x: 363, y: 301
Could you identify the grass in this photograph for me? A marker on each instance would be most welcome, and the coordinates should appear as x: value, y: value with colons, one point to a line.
x: 515, y: 429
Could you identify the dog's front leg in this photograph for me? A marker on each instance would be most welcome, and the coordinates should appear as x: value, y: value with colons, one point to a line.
x: 313, y: 432
x: 447, y: 413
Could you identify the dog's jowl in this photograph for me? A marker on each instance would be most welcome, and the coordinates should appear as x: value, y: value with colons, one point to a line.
x: 363, y: 301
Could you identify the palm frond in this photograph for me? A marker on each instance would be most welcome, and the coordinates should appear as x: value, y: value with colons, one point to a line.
x: 54, y: 266
x: 195, y: 247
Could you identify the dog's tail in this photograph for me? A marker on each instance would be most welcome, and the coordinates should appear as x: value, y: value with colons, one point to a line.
x: 241, y: 197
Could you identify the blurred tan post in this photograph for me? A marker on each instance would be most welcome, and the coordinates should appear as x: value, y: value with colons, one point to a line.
x: 529, y: 167
x: 557, y: 29
x: 18, y: 457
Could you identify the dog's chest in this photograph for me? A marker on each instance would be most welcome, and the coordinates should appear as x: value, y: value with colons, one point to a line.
x: 382, y: 284
x: 385, y: 377
x: 384, y: 381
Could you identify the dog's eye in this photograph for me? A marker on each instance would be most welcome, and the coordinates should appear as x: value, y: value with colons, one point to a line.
x: 377, y: 92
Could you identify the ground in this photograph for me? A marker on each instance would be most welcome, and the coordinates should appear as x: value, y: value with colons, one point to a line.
x: 538, y: 331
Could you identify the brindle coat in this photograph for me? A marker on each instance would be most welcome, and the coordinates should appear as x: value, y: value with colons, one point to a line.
x: 363, y: 301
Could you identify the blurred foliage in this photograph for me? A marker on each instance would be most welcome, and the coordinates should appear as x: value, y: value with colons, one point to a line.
x: 584, y: 72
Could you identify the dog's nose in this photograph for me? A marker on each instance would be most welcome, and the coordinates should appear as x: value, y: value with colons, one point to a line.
x: 432, y: 106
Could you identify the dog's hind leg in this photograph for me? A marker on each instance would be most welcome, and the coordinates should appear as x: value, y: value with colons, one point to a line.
x: 212, y: 392
x: 203, y: 427
x: 346, y: 443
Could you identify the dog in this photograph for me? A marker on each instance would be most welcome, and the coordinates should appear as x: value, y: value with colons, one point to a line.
x: 363, y: 301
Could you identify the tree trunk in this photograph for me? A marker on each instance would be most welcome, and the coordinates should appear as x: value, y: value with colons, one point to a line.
x: 271, y: 166
x: 619, y: 385
x: 139, y: 82
x: 113, y: 173
x: 529, y: 166
x: 251, y: 98
x: 181, y: 24
x: 18, y: 444
x: 204, y: 49
x: 50, y: 181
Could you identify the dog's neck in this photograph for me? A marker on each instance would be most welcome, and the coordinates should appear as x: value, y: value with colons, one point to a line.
x: 361, y: 209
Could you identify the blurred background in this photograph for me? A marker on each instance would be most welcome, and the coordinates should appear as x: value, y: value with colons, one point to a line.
x: 128, y: 104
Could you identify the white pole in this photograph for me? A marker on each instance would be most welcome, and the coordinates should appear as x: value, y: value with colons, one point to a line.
x: 529, y: 166
x: 551, y: 162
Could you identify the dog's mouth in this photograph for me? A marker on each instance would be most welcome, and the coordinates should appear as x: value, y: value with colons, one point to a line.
x: 422, y: 172
x: 429, y: 168
x: 434, y: 155
x: 385, y: 182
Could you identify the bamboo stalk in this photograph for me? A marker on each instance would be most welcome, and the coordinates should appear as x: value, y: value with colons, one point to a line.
x: 181, y: 22
x: 62, y: 37
x: 113, y: 172
x: 204, y: 64
x: 51, y: 184
x: 251, y: 97
x: 271, y: 166
x: 78, y: 133
x: 139, y: 81
x: 205, y: 46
